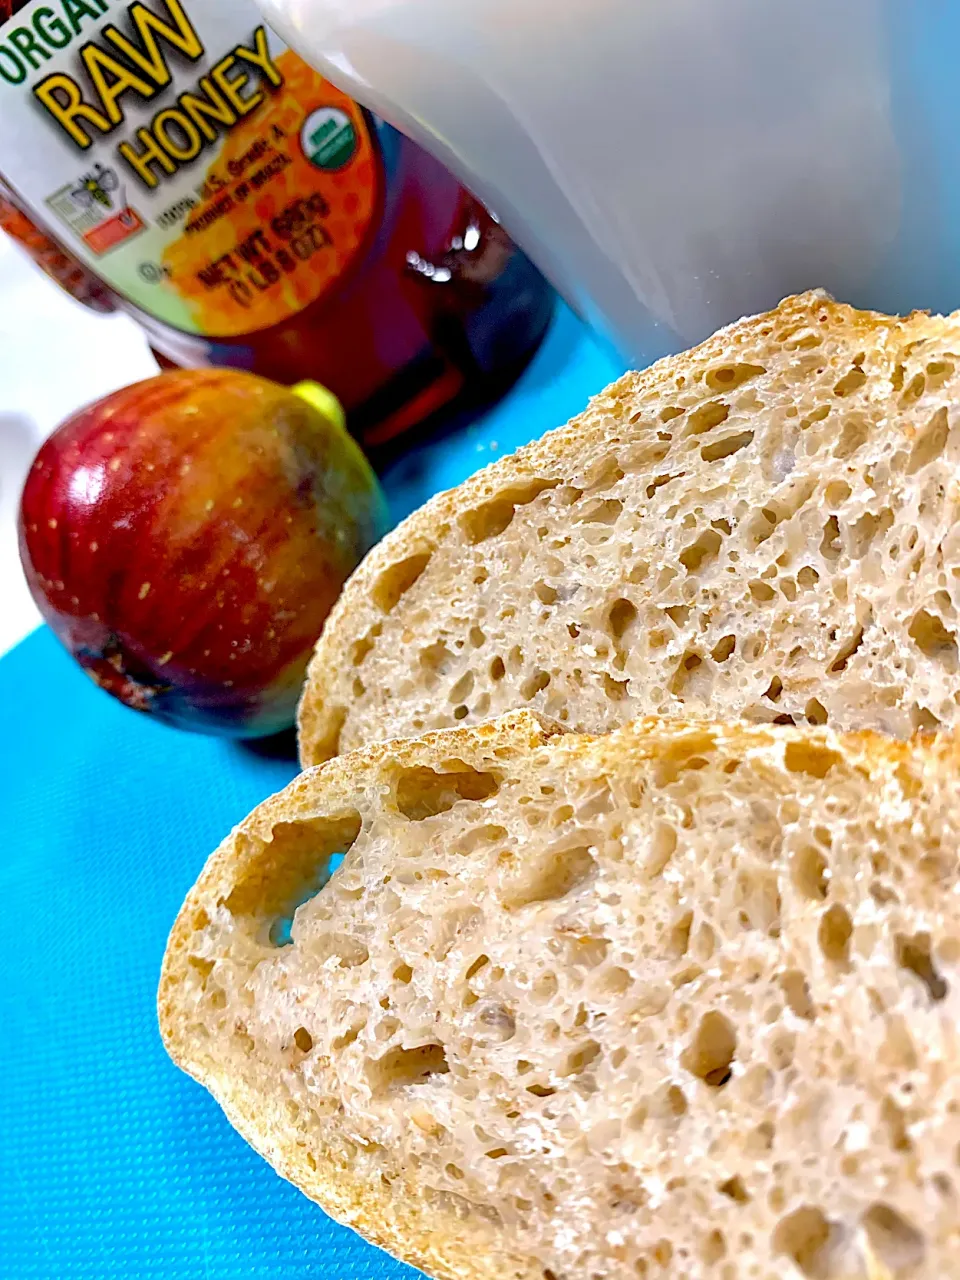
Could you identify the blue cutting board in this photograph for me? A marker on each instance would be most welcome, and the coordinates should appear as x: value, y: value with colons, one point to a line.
x: 112, y: 1163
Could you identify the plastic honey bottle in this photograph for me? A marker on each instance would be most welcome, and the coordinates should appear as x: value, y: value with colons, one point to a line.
x: 173, y: 159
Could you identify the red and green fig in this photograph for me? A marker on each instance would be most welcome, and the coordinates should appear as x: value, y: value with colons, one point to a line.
x: 186, y: 537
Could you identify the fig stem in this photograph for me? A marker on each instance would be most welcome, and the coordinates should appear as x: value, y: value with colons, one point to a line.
x: 330, y: 408
x: 324, y: 401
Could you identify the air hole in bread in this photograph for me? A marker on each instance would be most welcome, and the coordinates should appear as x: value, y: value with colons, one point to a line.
x: 850, y: 382
x: 328, y: 944
x: 477, y: 837
x: 602, y: 511
x: 366, y: 643
x: 548, y: 877
x: 726, y: 447
x: 804, y: 1236
x: 670, y: 1104
x: 615, y: 690
x: 328, y: 738
x: 535, y: 683
x: 865, y: 530
x: 701, y: 552
x: 834, y: 934
x: 847, y: 652
x: 735, y: 1189
x: 621, y: 616
x: 938, y: 371
x: 578, y: 1061
x: 244, y: 1039
x: 723, y: 648
x: 774, y: 689
x: 541, y: 1090
x: 815, y: 712
x: 762, y: 525
x: 853, y: 436
x: 711, y: 1052
x: 296, y: 862
x: 706, y: 418
x: 202, y: 966
x: 658, y: 482
x: 931, y: 443
x: 761, y: 592
x: 395, y: 581
x: 897, y: 1243
x: 436, y: 659
x: 678, y: 938
x: 830, y: 541
x: 728, y: 377
x: 303, y: 1039
x: 713, y: 1248
x: 689, y: 664
x: 810, y: 758
x: 934, y: 640
x: 781, y: 1048
x: 915, y: 389
x: 493, y: 517
x: 463, y: 688
x: 754, y: 647
x: 811, y: 876
x: 801, y: 338
x: 796, y: 991
x: 498, y: 1023
x: 423, y: 793
x: 568, y: 494
x: 402, y: 1067
x: 923, y: 720
x: 895, y: 1122
x: 603, y: 474
x: 663, y: 845
x: 914, y: 954
x: 758, y: 899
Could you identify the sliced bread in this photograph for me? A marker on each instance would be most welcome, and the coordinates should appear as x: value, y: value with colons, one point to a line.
x: 767, y: 526
x: 678, y: 1002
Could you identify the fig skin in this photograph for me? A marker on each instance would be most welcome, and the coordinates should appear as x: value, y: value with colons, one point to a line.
x: 186, y: 537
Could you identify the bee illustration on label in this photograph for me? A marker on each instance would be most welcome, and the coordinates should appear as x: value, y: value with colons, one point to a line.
x: 95, y: 208
x: 96, y: 187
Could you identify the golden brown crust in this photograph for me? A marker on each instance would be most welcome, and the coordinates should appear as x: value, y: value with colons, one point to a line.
x: 434, y: 1238
x: 325, y: 705
x: 437, y: 1242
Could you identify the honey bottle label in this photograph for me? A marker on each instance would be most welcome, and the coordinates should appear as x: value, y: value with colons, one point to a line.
x: 182, y: 152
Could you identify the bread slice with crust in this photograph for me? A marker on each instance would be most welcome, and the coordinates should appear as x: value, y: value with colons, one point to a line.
x: 766, y: 527
x: 679, y: 1002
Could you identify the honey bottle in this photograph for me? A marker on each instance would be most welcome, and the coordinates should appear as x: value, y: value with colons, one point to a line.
x: 174, y: 160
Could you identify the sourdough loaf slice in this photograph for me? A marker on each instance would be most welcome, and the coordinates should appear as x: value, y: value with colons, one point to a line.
x: 678, y: 1002
x: 767, y: 527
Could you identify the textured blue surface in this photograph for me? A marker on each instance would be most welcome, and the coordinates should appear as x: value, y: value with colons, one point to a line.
x: 112, y: 1163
